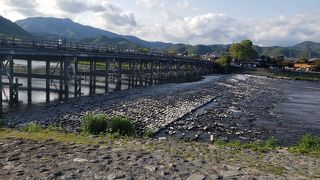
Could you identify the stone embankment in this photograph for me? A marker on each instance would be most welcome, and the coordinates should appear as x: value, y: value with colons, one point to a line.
x: 147, y: 159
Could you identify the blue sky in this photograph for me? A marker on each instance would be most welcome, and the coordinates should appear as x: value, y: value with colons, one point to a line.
x: 268, y: 22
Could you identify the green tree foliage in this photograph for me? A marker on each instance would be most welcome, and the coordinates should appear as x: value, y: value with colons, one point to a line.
x: 243, y: 50
x: 224, y: 63
x: 144, y: 50
x: 317, y: 65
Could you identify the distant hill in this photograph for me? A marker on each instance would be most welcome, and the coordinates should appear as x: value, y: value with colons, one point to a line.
x: 71, y: 30
x: 9, y: 28
x: 301, y: 50
x: 62, y: 27
x: 104, y: 40
x: 54, y: 28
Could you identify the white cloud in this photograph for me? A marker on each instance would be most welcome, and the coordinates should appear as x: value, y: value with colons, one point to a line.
x: 220, y: 28
x: 150, y: 4
x: 163, y: 21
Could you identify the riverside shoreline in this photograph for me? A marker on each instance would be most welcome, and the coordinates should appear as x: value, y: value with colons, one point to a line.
x: 226, y: 107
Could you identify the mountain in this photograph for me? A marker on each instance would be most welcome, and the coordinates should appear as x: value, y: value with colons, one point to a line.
x: 54, y: 28
x: 152, y: 45
x: 302, y: 50
x: 62, y: 27
x: 75, y: 31
x: 104, y: 40
x: 9, y: 28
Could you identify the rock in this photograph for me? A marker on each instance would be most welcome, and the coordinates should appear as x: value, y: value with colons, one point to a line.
x: 211, y: 138
x: 151, y: 168
x: 231, y: 174
x: 94, y: 161
x: 9, y: 166
x: 113, y: 176
x: 196, y: 176
x: 79, y: 160
x: 13, y: 158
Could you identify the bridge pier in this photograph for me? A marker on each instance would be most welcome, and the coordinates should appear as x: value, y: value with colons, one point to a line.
x: 94, y: 76
x: 66, y: 77
x: 48, y: 73
x: 119, y: 75
x: 60, y: 79
x: 91, y: 78
x: 1, y: 86
x: 106, y: 77
x: 76, y: 78
x: 29, y: 83
x: 10, y: 74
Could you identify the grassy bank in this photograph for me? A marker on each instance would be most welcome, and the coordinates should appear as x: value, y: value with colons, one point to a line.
x: 308, y: 144
x: 292, y: 75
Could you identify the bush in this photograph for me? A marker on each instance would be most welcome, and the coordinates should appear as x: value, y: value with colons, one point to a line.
x: 149, y: 133
x: 33, y: 128
x: 94, y: 123
x: 308, y: 144
x: 121, y: 125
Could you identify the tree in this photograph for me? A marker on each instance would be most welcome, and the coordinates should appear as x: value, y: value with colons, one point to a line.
x: 243, y: 50
x: 224, y: 62
x: 144, y: 50
x: 317, y: 65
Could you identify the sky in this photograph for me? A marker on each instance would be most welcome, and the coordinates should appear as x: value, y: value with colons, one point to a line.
x: 265, y: 22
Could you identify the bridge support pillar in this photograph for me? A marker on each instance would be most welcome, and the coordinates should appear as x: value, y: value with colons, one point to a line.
x: 29, y: 83
x: 129, y: 74
x: 94, y: 76
x: 151, y: 73
x: 77, y: 78
x: 11, y: 79
x: 134, y: 75
x: 106, y: 77
x: 1, y: 87
x: 141, y: 74
x: 61, y: 79
x: 48, y: 80
x: 119, y: 73
x: 91, y: 78
x: 66, y: 77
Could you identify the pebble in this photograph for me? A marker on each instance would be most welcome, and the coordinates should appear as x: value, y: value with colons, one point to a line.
x: 196, y: 176
x: 80, y: 160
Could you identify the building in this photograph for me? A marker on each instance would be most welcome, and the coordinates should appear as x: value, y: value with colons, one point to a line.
x: 214, y: 55
x: 299, y: 66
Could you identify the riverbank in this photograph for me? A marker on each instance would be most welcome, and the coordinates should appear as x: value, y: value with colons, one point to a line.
x: 226, y: 107
x: 289, y: 75
x: 53, y: 155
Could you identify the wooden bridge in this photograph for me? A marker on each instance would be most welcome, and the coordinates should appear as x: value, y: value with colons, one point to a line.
x: 140, y: 69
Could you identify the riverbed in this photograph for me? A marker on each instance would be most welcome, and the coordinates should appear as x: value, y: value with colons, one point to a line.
x: 226, y: 107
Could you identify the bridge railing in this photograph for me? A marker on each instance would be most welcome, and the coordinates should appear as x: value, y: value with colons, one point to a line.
x: 63, y: 45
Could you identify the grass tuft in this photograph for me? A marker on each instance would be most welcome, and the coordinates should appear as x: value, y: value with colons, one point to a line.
x: 94, y: 123
x: 260, y: 146
x: 33, y: 128
x: 308, y: 144
x: 57, y: 128
x: 121, y: 125
x: 149, y: 133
